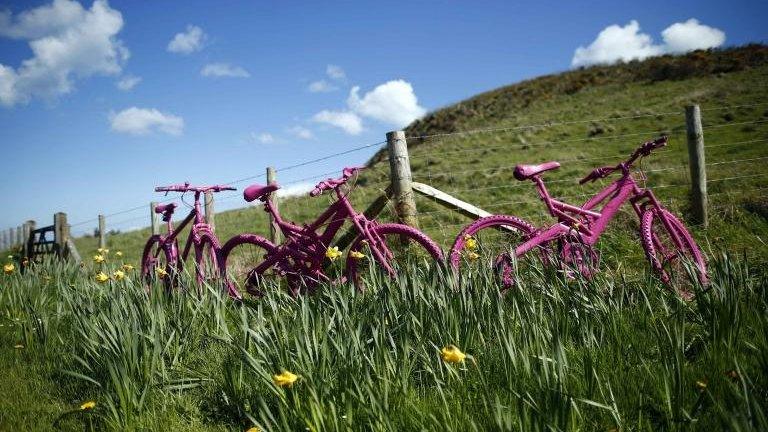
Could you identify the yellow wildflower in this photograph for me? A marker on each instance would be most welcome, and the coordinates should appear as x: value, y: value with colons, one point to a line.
x: 127, y: 267
x: 19, y: 346
x: 119, y: 253
x: 285, y: 379
x: 701, y: 385
x: 118, y: 275
x: 357, y: 255
x: 102, y: 277
x: 88, y: 405
x: 451, y: 354
x: 332, y: 253
x: 470, y: 243
x: 161, y: 272
x: 9, y: 268
x: 102, y: 251
x: 473, y: 256
x: 98, y: 259
x: 253, y: 429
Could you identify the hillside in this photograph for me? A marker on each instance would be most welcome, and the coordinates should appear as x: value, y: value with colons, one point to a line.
x: 582, y: 118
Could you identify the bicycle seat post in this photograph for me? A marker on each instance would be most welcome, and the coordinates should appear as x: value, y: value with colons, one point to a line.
x: 544, y: 193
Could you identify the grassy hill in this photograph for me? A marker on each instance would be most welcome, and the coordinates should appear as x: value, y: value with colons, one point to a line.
x: 582, y: 118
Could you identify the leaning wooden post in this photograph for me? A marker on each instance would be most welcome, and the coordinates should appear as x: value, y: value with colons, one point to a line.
x: 153, y: 219
x: 697, y: 164
x: 29, y: 247
x: 102, y: 232
x: 400, y: 177
x: 61, y: 232
x: 274, y: 232
x: 209, y: 212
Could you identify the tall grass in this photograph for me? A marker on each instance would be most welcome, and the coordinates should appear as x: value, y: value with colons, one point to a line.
x: 555, y: 354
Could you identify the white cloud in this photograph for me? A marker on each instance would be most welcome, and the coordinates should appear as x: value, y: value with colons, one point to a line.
x: 690, y: 35
x: 128, y: 82
x: 264, y: 138
x: 347, y: 120
x: 393, y: 102
x: 321, y: 86
x: 218, y: 70
x: 67, y: 42
x: 335, y: 72
x: 142, y: 121
x: 301, y: 132
x: 295, y: 189
x: 193, y: 39
x: 616, y: 43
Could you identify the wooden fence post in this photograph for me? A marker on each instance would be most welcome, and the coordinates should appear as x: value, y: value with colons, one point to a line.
x: 209, y: 212
x: 3, y: 241
x: 697, y: 164
x: 30, y: 241
x: 102, y: 232
x: 400, y: 177
x: 19, y: 236
x: 274, y: 232
x: 10, y: 238
x: 61, y: 232
x: 153, y: 218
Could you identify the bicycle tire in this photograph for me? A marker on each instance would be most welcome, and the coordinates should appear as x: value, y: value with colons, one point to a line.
x: 237, y: 274
x: 150, y: 263
x: 207, y: 260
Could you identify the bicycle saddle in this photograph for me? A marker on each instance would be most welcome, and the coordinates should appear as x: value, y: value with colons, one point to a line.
x: 524, y: 172
x: 258, y: 191
x: 160, y: 209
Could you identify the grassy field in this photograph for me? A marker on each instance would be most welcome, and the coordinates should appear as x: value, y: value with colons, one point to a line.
x: 615, y: 353
x: 608, y: 354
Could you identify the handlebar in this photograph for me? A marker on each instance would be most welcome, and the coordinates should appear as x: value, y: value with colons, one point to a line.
x: 644, y: 150
x: 186, y: 187
x: 330, y: 184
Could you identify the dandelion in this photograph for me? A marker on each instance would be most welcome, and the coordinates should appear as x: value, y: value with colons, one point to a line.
x: 473, y: 256
x: 470, y: 243
x: 452, y: 354
x: 161, y: 272
x: 127, y: 267
x: 119, y: 253
x: 98, y: 259
x: 19, y: 346
x: 102, y: 277
x: 9, y: 268
x: 285, y: 379
x: 118, y: 275
x: 332, y: 253
x: 357, y: 255
x: 88, y: 406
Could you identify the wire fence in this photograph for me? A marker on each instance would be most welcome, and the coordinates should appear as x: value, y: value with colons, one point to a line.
x: 490, y: 145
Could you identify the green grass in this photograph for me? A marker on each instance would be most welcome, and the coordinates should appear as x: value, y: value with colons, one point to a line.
x: 611, y: 353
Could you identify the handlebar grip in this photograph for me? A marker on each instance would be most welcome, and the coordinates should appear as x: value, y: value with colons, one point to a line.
x: 315, y: 192
x: 589, y: 177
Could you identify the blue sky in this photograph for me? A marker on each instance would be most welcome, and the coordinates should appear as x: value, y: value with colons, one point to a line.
x: 70, y: 141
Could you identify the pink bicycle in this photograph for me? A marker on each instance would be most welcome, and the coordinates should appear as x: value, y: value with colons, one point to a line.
x: 161, y: 260
x: 249, y: 260
x: 668, y: 245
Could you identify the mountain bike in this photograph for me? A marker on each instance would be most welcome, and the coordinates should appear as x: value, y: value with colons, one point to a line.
x: 161, y: 259
x: 668, y: 245
x: 250, y: 260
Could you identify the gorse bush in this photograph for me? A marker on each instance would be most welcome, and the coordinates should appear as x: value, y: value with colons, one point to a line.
x: 424, y: 352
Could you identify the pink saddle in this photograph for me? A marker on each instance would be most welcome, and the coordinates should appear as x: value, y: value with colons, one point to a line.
x: 258, y: 191
x: 524, y: 172
x: 160, y: 209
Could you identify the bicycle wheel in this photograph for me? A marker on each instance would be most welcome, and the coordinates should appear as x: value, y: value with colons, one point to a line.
x: 206, y: 260
x: 489, y: 243
x: 399, y: 244
x: 157, y: 264
x: 244, y: 266
x: 670, y: 248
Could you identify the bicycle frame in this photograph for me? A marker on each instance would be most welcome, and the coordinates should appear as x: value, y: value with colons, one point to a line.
x: 588, y: 223
x: 301, y: 241
x: 169, y: 241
